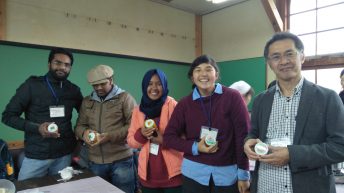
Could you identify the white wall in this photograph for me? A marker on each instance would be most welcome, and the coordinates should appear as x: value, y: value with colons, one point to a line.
x: 83, y: 24
x: 236, y: 32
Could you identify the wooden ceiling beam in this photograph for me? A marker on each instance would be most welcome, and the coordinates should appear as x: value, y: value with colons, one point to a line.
x: 283, y: 7
x: 2, y: 19
x: 323, y: 62
x: 273, y: 14
x: 198, y: 35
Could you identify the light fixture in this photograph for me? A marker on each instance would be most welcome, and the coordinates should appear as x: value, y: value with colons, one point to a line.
x: 217, y: 1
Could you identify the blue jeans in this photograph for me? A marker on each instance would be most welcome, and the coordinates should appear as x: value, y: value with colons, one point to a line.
x: 32, y: 168
x: 120, y: 173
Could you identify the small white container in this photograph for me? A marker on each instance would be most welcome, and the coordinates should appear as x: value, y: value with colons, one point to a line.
x: 52, y: 128
x: 7, y: 186
x: 209, y: 140
x: 150, y: 123
x: 92, y: 136
x: 261, y: 148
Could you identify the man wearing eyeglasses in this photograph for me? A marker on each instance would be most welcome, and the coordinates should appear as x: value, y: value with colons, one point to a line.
x: 47, y: 102
x: 302, y: 123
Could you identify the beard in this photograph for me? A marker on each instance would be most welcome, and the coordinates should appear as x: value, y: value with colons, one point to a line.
x: 58, y: 75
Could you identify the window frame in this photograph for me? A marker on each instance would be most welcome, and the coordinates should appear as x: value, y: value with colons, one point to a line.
x: 279, y: 11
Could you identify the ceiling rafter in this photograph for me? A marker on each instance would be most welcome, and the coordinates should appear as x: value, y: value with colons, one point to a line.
x: 278, y: 13
x: 2, y: 19
x: 324, y: 62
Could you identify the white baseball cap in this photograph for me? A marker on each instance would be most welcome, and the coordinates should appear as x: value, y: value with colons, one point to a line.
x: 241, y: 86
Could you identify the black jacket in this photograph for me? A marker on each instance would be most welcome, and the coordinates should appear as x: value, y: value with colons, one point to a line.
x: 341, y: 94
x: 33, y: 98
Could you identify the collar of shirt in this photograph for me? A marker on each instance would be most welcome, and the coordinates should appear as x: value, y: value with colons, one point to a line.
x: 196, y: 95
x: 297, y: 88
x: 115, y: 91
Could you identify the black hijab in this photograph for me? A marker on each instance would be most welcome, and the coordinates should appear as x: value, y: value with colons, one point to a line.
x: 152, y: 108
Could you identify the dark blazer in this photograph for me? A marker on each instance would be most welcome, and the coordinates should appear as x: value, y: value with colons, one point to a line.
x: 318, y: 140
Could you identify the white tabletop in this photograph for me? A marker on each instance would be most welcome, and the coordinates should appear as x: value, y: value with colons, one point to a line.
x: 87, y: 185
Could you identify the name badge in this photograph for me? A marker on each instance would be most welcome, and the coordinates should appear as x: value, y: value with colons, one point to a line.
x: 280, y: 142
x: 57, y: 111
x: 205, y: 131
x: 154, y: 148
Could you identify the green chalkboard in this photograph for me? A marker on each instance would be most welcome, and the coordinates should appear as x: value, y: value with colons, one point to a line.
x: 19, y: 61
x: 252, y: 71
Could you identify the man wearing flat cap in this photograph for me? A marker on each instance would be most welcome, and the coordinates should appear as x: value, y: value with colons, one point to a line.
x: 103, y: 124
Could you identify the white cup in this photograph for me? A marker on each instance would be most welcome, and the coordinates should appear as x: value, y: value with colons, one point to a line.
x: 7, y: 186
x: 92, y: 136
x: 261, y: 148
x: 52, y: 127
x: 209, y: 140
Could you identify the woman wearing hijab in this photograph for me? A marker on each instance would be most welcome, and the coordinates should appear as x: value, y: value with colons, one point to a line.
x: 158, y: 167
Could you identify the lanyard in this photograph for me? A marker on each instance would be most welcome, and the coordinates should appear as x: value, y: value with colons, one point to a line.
x: 207, y: 113
x: 52, y: 90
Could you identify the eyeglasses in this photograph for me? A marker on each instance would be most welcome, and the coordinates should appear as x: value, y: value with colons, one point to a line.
x: 289, y: 55
x: 59, y: 63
